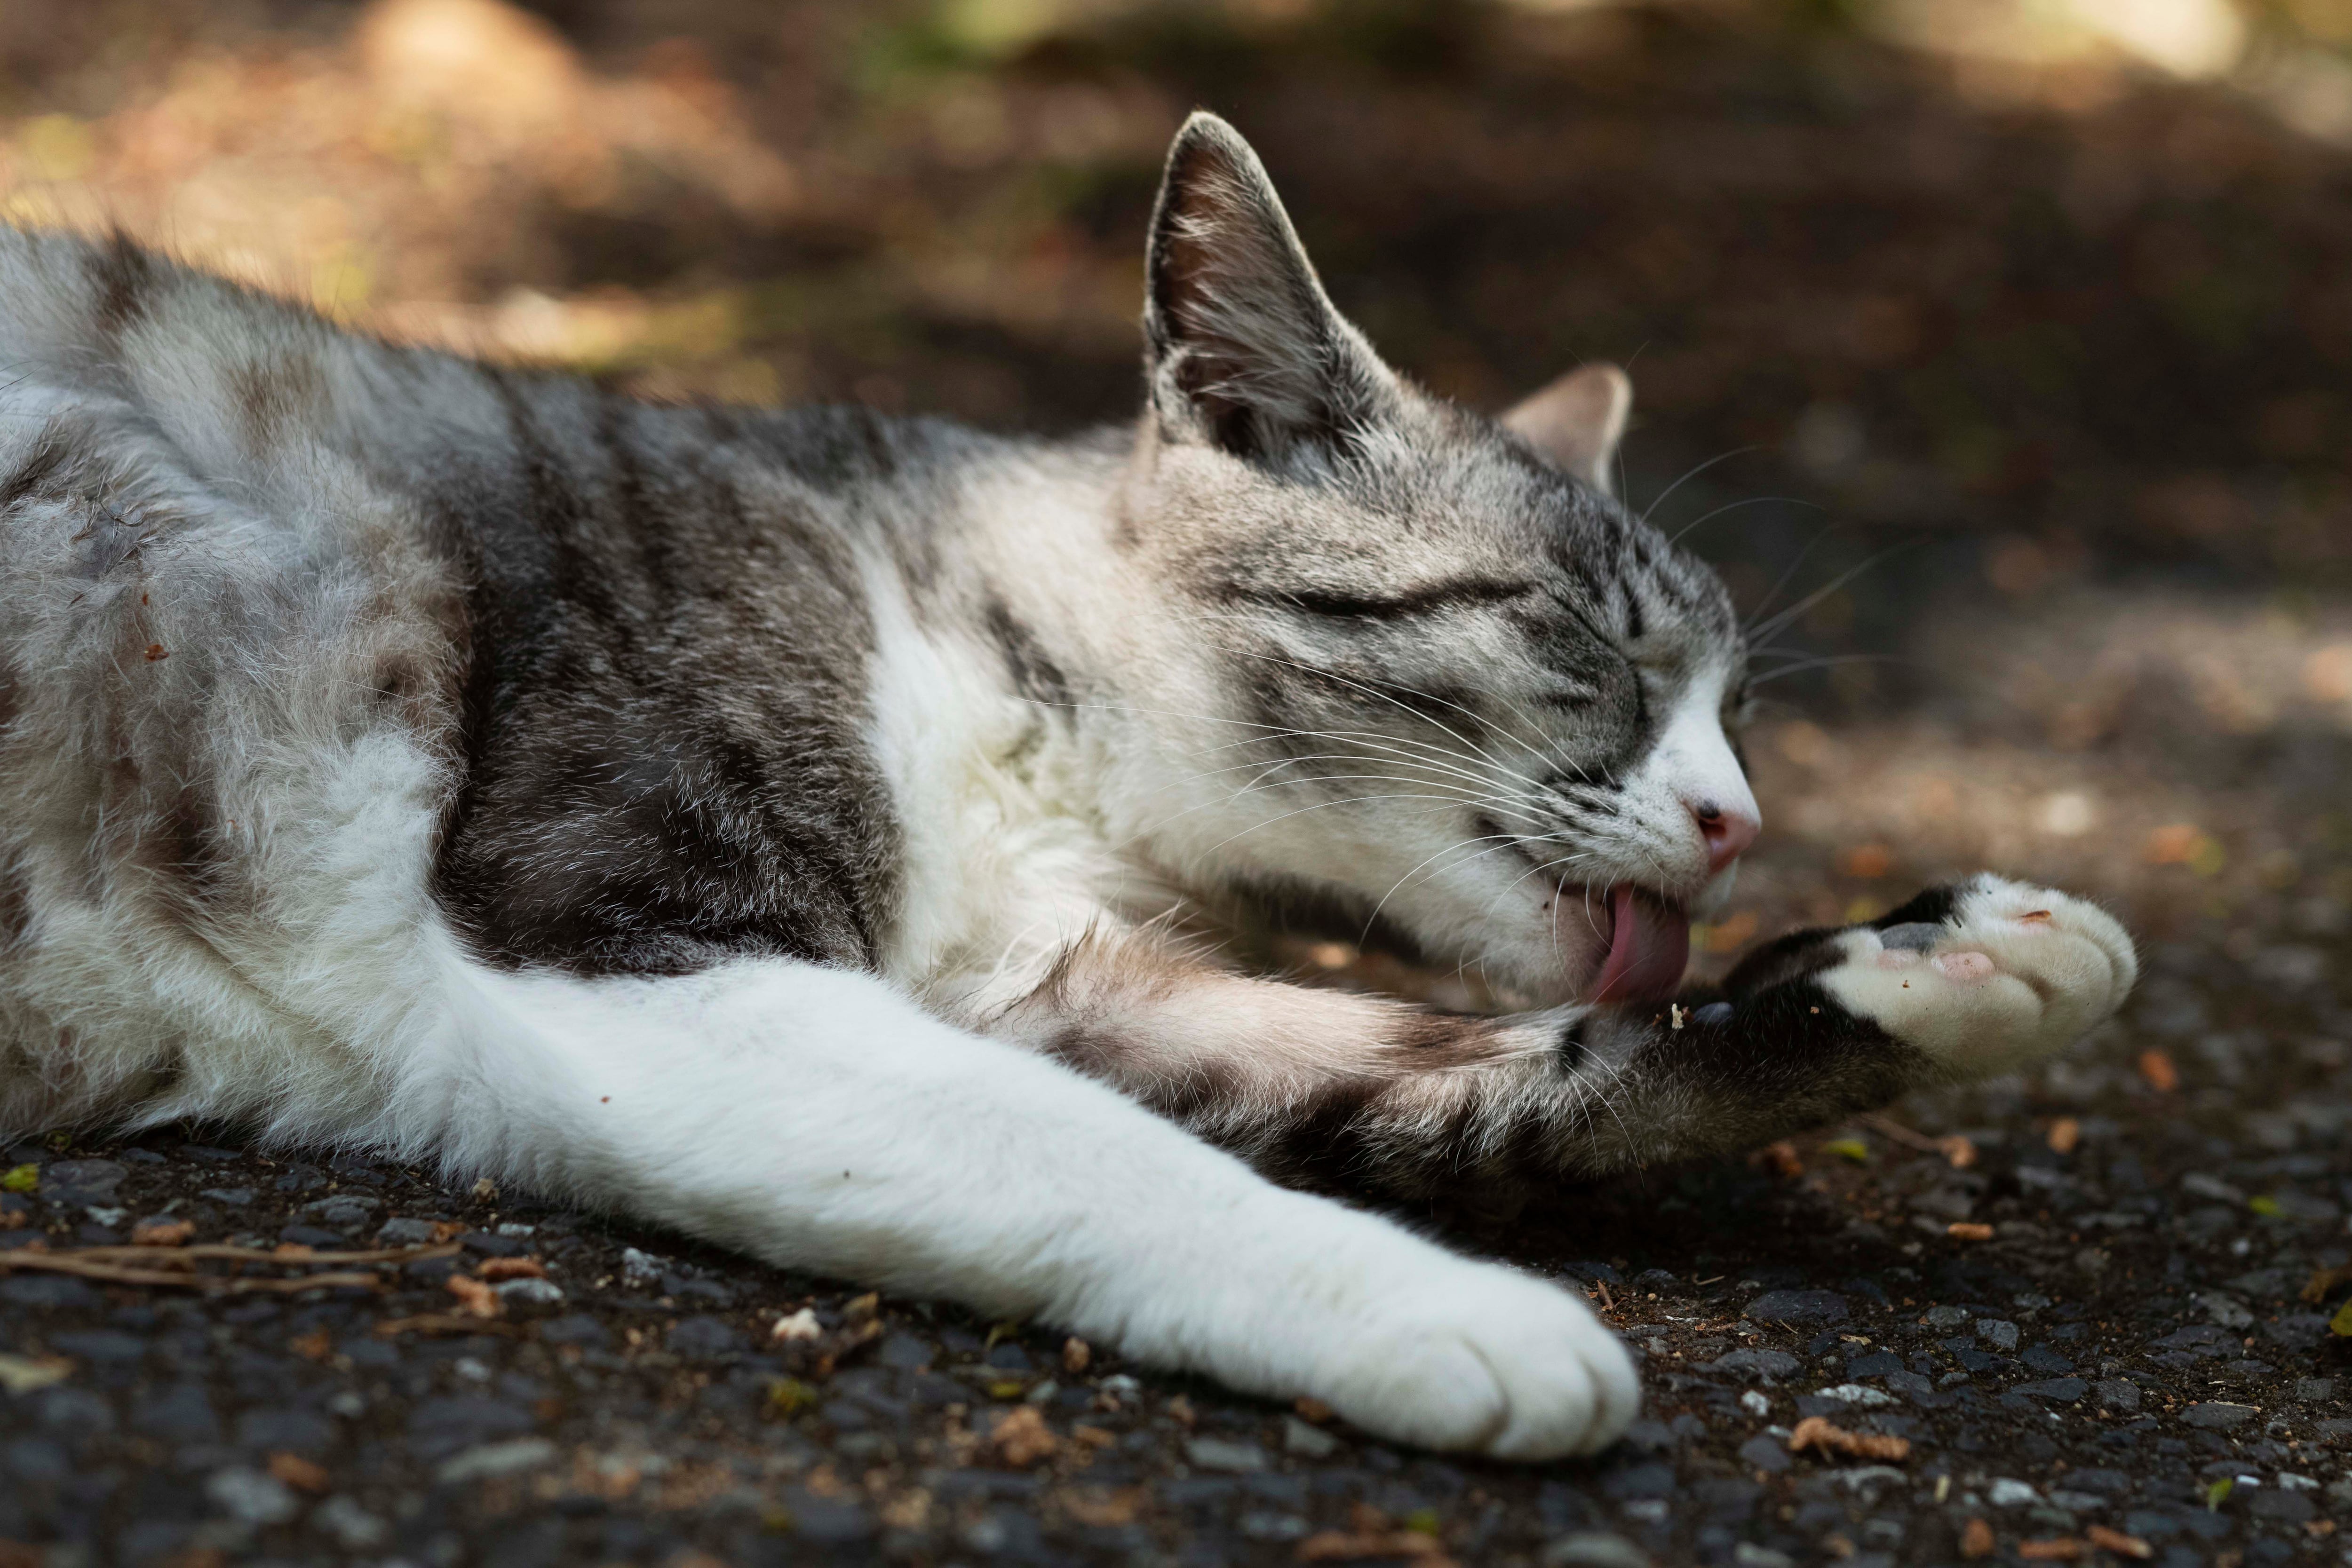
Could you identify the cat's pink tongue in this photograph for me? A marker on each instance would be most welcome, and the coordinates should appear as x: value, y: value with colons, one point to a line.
x: 1649, y: 948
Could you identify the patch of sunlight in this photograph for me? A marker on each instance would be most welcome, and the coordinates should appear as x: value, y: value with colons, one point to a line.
x: 2193, y: 38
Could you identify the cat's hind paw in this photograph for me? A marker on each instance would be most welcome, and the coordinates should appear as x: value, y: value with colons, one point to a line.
x: 1985, y: 976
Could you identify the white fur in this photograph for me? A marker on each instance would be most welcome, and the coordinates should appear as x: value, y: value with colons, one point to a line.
x: 932, y: 1160
x: 1995, y: 992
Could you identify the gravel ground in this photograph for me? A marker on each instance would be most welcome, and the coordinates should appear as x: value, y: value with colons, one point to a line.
x: 2137, y: 1344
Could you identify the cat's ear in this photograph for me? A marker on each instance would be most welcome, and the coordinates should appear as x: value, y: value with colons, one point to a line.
x: 1577, y: 421
x: 1243, y: 350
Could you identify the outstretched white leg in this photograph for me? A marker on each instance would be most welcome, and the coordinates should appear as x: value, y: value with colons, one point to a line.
x: 814, y: 1117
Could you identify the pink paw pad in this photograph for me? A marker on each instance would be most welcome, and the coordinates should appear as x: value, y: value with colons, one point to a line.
x: 1965, y: 969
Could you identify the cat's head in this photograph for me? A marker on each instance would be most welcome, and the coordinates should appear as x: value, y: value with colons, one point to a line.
x: 1404, y: 658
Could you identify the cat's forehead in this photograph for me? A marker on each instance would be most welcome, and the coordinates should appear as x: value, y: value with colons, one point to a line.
x: 1475, y: 505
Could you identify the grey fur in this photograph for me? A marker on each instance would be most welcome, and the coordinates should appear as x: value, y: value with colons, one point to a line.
x: 629, y: 655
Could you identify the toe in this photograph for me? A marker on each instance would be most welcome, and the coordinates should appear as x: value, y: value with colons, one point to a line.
x: 1965, y: 969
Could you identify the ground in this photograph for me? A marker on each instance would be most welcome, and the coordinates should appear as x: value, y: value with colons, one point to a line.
x: 2025, y: 391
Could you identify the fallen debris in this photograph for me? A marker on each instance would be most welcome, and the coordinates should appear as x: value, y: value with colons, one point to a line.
x: 176, y: 1268
x: 445, y: 1323
x: 1370, y: 1534
x: 1957, y: 1151
x: 1816, y: 1432
x: 24, y: 1373
x: 796, y: 1327
x: 2323, y: 1283
x: 1968, y: 1231
x: 1021, y: 1438
x: 2158, y: 1069
x: 1976, y: 1539
x: 301, y: 1474
x: 474, y: 1298
x: 162, y: 1232
x: 2117, y: 1542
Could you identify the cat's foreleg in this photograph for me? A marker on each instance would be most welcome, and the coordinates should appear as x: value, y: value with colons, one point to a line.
x: 1963, y: 982
x: 817, y: 1118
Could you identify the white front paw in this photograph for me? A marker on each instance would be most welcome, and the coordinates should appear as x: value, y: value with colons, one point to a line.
x: 1485, y: 1360
x: 2013, y: 974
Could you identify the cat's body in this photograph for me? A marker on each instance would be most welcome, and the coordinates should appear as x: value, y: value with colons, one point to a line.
x: 803, y: 828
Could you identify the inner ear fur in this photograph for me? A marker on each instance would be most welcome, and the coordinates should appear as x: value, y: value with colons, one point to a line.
x: 1577, y: 422
x: 1243, y: 348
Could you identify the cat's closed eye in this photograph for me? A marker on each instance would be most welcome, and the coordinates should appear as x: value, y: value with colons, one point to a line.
x: 1339, y: 603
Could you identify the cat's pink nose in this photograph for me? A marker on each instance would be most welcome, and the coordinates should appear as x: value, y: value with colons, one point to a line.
x: 1728, y: 832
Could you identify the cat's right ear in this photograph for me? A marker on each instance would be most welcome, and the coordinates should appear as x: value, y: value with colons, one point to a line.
x: 1577, y: 422
x: 1243, y: 350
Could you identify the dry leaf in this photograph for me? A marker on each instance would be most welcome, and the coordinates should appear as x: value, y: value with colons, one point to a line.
x: 485, y: 1190
x: 162, y: 1232
x: 1369, y: 1533
x: 1815, y: 1432
x: 2065, y: 1134
x: 1077, y: 1355
x: 1957, y: 1151
x: 1976, y: 1539
x: 474, y: 1297
x: 498, y: 1268
x: 300, y: 1473
x: 24, y: 1373
x: 2326, y: 1282
x: 1098, y: 1507
x: 1021, y: 1438
x: 1095, y: 1436
x: 2158, y: 1069
x: 2117, y: 1542
x: 1347, y: 1546
x: 861, y: 1308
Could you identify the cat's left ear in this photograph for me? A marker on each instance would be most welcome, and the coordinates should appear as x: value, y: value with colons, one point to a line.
x: 1577, y: 422
x: 1243, y: 349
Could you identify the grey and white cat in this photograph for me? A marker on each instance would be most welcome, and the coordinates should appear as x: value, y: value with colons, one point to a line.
x: 809, y: 830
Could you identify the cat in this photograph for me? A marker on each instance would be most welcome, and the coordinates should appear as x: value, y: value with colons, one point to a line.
x: 813, y: 830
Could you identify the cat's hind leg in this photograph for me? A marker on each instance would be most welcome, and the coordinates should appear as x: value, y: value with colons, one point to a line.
x: 816, y: 1118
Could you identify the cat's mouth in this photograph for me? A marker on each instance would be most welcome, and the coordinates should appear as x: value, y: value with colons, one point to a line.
x: 1649, y: 948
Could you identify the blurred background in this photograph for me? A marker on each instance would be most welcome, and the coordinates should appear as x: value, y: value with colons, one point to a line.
x: 2008, y: 345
